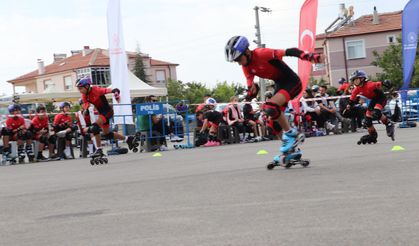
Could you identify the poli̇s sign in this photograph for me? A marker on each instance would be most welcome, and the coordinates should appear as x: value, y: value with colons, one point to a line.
x: 150, y: 108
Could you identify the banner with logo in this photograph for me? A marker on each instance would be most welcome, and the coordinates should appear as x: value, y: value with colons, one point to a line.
x: 306, y: 42
x: 410, y: 26
x: 118, y: 62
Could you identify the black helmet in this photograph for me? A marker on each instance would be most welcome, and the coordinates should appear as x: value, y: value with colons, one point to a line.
x: 40, y: 107
x: 63, y: 104
x: 14, y: 107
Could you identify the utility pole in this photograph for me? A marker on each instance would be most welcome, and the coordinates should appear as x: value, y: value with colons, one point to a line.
x: 258, y: 41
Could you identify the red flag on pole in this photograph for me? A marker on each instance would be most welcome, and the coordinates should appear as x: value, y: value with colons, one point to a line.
x: 306, y: 42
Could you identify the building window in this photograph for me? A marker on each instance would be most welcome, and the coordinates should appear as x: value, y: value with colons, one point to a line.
x: 68, y: 83
x: 391, y: 39
x: 101, y: 76
x: 83, y: 72
x: 48, y: 84
x: 355, y: 49
x: 160, y: 76
x: 319, y: 67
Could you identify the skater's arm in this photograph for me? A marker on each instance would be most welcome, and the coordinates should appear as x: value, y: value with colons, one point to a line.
x: 307, y: 56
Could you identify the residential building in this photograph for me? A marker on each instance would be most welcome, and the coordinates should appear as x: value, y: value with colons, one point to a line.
x: 351, y: 46
x: 62, y: 74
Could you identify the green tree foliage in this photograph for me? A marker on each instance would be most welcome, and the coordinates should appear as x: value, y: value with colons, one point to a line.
x: 223, y: 92
x: 139, y: 68
x: 392, y: 64
x: 195, y: 92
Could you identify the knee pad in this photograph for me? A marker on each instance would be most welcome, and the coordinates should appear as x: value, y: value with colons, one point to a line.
x: 68, y: 136
x: 368, y: 122
x: 272, y: 110
x: 110, y: 136
x: 6, y: 132
x: 94, y: 129
x: 87, y: 137
x: 376, y: 114
x: 52, y: 139
x: 29, y: 135
x: 21, y: 136
x: 43, y: 139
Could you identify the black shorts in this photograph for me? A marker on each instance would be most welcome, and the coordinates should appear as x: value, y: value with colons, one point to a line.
x: 289, y: 84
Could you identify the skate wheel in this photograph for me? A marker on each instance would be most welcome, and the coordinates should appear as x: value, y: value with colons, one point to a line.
x: 96, y: 161
x: 92, y: 162
x: 105, y: 160
x: 305, y: 163
x: 100, y: 161
x: 270, y: 166
x: 135, y: 150
x: 359, y: 142
x: 136, y: 145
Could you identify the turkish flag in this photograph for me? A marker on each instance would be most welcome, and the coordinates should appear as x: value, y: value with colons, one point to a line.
x: 306, y: 42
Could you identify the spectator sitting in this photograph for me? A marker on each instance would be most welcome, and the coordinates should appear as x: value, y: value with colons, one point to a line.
x: 235, y: 118
x: 158, y: 123
x: 251, y: 118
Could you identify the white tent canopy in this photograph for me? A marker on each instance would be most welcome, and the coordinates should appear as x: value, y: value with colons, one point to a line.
x: 138, y: 88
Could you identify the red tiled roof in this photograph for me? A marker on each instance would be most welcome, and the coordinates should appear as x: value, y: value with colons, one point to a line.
x: 97, y: 57
x: 155, y: 62
x: 391, y: 21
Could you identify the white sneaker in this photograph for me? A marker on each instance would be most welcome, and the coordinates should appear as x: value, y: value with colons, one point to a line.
x: 163, y: 148
x: 175, y: 138
x: 67, y: 153
x: 330, y: 126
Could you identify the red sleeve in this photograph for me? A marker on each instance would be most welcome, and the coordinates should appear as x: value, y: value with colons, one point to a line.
x: 22, y: 122
x: 85, y: 102
x: 267, y: 54
x: 102, y: 91
x: 57, y: 120
x: 249, y: 76
x: 8, y: 122
x: 354, y: 94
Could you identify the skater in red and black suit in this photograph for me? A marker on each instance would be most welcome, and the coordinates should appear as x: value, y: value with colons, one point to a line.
x: 268, y: 64
x: 96, y: 96
x: 211, y: 119
x: 374, y: 92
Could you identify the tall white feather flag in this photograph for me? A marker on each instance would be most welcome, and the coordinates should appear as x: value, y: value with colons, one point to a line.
x: 118, y: 62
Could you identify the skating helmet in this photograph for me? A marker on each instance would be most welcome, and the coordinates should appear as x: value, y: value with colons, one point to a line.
x: 14, y: 107
x: 358, y: 74
x: 315, y: 88
x: 235, y: 47
x: 40, y: 107
x: 63, y: 104
x: 210, y: 101
x: 341, y: 81
x: 83, y: 82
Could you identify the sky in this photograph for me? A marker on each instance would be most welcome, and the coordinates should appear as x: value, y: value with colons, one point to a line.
x: 191, y: 33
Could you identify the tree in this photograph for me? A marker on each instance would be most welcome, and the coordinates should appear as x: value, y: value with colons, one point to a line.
x: 391, y: 62
x: 139, y: 68
x: 223, y: 92
x: 175, y: 89
x: 195, y: 92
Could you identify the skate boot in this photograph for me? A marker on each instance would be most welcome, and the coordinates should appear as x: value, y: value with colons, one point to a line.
x: 21, y: 154
x: 98, y: 157
x: 29, y: 153
x: 133, y: 144
x: 288, y: 160
x: 368, y: 139
x: 6, y: 157
x: 41, y: 158
x: 67, y: 153
x: 290, y: 140
x: 390, y: 130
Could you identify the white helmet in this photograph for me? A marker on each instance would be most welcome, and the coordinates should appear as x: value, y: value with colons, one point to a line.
x: 210, y: 101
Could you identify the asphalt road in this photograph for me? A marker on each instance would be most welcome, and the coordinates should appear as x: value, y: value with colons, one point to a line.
x: 350, y: 195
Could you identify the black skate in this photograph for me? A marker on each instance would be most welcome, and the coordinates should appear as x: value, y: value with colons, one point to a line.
x: 98, y: 158
x: 41, y: 158
x: 8, y: 158
x: 21, y: 155
x: 133, y: 144
x: 288, y: 160
x: 368, y: 139
x: 390, y: 130
x: 30, y: 154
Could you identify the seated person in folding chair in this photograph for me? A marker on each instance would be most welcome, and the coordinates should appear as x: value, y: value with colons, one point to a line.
x: 40, y: 129
x: 64, y: 128
x: 235, y: 119
x: 252, y: 120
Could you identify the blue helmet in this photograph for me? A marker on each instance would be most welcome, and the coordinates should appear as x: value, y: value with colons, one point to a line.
x: 63, y: 104
x: 14, y: 107
x: 358, y: 74
x: 235, y: 47
x: 341, y: 81
x: 83, y: 82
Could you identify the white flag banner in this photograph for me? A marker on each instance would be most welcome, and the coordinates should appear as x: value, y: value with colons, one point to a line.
x: 118, y: 62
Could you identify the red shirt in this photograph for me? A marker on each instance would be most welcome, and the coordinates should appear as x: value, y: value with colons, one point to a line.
x: 39, y: 124
x: 96, y: 96
x: 61, y: 119
x: 14, y: 123
x: 368, y: 90
x: 259, y: 65
x: 344, y: 87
